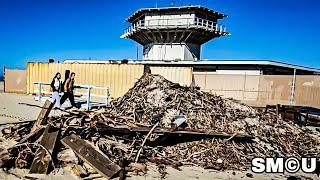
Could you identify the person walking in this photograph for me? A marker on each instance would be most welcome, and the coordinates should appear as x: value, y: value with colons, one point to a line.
x: 68, y: 90
x: 56, y: 85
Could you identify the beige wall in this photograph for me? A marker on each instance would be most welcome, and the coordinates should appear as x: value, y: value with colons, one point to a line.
x: 118, y: 77
x: 260, y: 90
x: 307, y: 91
x: 15, y: 81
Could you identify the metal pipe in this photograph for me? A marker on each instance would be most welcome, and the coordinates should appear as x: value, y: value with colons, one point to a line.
x: 88, y: 98
x: 293, y: 87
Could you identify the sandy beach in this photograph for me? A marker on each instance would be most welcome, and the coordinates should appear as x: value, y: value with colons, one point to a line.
x: 188, y: 172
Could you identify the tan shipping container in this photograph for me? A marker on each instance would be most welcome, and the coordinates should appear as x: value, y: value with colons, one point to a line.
x: 119, y: 78
x: 181, y: 75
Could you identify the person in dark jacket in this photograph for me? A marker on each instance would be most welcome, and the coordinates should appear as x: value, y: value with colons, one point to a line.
x: 68, y: 90
x: 56, y: 86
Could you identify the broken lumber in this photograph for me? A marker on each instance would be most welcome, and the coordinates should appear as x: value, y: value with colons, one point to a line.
x: 33, y: 136
x: 105, y: 129
x: 43, y: 156
x: 43, y: 115
x: 87, y: 153
x: 79, y: 171
x: 159, y: 160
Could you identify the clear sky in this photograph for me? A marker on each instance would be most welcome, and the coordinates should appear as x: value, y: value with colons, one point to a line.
x: 36, y: 30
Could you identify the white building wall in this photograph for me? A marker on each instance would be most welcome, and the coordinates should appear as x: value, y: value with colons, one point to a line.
x: 171, y: 52
x: 165, y: 52
x: 169, y: 20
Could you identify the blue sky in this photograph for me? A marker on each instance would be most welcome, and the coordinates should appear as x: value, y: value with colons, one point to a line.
x: 36, y: 30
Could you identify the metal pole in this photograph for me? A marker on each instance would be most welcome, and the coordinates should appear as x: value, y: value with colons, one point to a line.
x: 39, y: 89
x: 88, y: 98
x: 293, y: 87
x: 107, y: 96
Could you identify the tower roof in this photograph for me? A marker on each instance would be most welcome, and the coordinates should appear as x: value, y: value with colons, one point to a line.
x: 168, y: 9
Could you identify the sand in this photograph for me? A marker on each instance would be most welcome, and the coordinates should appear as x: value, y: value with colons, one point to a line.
x: 173, y: 174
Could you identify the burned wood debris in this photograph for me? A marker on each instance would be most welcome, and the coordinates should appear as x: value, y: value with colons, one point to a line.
x: 160, y: 122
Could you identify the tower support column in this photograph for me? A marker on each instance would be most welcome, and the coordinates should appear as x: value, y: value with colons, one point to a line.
x: 171, y: 51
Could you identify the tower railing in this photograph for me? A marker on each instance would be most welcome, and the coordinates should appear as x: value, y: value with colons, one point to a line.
x: 177, y: 23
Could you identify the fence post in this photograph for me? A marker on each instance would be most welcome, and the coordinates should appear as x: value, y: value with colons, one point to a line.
x: 89, y: 98
x: 293, y: 87
x: 107, y: 96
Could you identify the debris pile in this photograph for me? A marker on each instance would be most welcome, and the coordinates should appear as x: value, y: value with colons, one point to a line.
x: 160, y: 122
x: 154, y: 99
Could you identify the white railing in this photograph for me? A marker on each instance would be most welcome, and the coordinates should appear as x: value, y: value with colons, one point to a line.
x: 177, y: 22
x: 87, y: 95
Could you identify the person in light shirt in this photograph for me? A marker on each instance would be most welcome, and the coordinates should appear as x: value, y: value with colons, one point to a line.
x: 56, y: 87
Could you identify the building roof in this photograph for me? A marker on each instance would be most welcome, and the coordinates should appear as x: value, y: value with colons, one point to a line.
x: 139, y: 12
x: 206, y: 62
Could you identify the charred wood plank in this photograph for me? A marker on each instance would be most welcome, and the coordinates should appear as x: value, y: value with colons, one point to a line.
x: 43, y: 156
x: 33, y: 136
x: 87, y: 153
x: 43, y: 115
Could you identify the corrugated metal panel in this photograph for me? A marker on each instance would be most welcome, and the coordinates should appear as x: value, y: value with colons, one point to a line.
x: 181, y: 75
x: 36, y: 72
x: 118, y: 77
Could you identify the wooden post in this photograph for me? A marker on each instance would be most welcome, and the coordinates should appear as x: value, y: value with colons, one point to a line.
x: 86, y: 152
x: 43, y: 156
x: 33, y: 136
x: 43, y: 115
x: 278, y: 109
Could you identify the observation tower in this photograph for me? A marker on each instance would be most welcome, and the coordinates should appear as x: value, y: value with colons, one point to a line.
x: 174, y: 33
